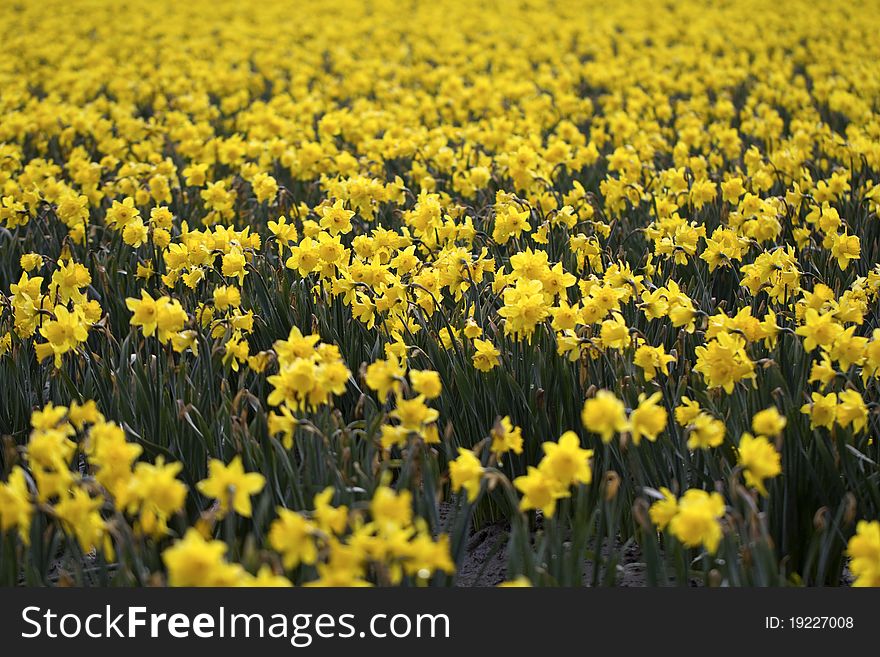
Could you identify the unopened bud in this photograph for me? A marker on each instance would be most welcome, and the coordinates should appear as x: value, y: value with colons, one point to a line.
x: 849, y: 514
x: 819, y: 521
x: 640, y: 514
x: 612, y: 484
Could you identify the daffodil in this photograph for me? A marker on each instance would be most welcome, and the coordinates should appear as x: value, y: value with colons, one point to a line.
x: 697, y: 520
x: 605, y: 415
x: 466, y: 472
x: 759, y: 460
x: 231, y: 486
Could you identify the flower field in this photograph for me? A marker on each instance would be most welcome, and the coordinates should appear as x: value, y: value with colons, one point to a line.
x: 308, y: 292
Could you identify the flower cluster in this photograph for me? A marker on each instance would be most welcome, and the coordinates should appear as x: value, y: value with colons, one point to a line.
x: 334, y: 276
